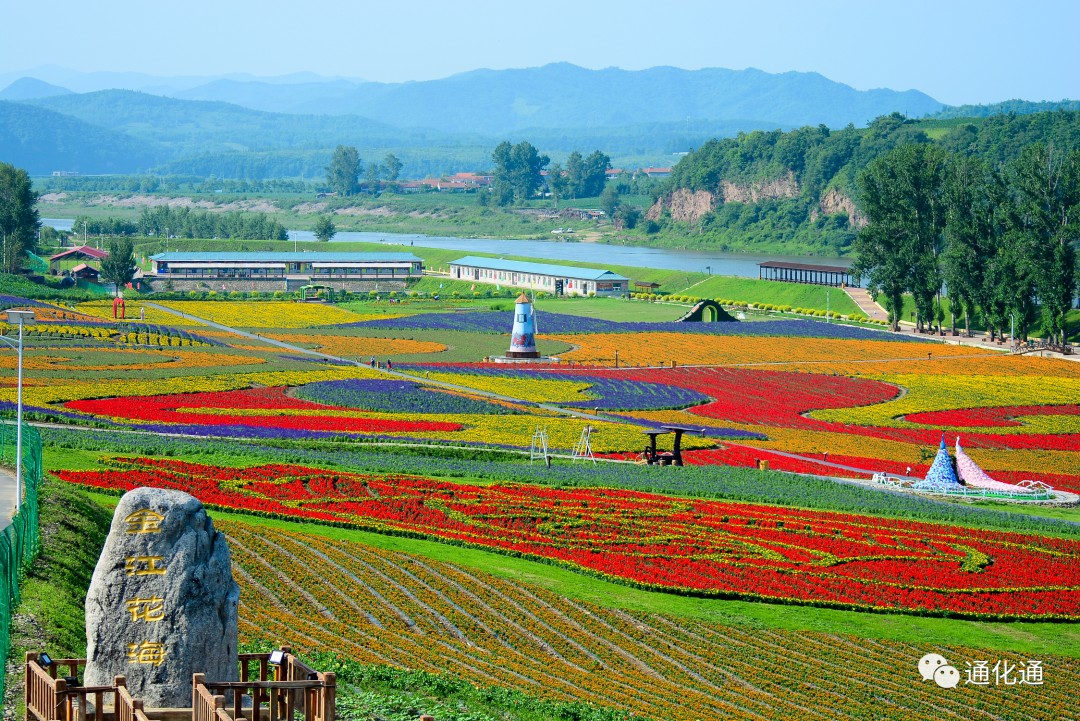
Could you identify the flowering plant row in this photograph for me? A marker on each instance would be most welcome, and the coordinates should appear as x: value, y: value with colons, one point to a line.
x: 693, y: 547
x: 560, y: 323
x: 394, y: 396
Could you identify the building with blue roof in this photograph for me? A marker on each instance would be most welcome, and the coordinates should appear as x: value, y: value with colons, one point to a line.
x: 297, y: 268
x: 554, y: 279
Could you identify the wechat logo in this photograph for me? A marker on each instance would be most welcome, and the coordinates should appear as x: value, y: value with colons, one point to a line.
x: 934, y: 666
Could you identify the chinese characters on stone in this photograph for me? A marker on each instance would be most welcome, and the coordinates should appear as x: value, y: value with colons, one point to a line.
x: 146, y: 610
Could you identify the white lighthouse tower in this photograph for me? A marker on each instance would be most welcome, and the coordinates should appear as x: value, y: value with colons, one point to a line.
x: 522, y: 337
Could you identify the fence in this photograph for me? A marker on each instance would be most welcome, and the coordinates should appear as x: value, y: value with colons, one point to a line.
x: 19, y: 541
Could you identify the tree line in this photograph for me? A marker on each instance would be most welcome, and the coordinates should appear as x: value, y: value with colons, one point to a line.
x: 187, y: 223
x: 346, y: 168
x: 998, y: 239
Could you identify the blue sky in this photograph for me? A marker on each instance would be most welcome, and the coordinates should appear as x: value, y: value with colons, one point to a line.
x: 957, y: 52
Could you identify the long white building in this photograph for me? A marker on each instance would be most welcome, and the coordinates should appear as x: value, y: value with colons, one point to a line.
x: 554, y: 279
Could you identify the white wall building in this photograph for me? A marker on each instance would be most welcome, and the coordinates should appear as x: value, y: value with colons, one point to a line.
x: 554, y: 279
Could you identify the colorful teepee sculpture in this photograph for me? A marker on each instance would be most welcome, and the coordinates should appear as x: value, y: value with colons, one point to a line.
x: 972, y: 475
x: 941, y: 471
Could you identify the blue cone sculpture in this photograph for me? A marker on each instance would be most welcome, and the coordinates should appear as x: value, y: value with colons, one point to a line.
x: 942, y: 470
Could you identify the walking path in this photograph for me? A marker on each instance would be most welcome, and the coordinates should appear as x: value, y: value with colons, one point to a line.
x: 7, y: 496
x: 978, y: 340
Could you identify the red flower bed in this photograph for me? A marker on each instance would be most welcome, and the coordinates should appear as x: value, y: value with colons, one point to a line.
x: 163, y: 409
x: 696, y: 547
x: 1001, y: 416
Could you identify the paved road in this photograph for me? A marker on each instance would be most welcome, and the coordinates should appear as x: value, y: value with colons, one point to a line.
x: 7, y: 496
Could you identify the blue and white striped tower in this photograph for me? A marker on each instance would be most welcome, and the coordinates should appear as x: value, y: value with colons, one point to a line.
x: 522, y: 340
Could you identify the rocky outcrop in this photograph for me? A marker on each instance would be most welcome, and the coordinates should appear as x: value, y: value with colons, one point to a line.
x: 833, y: 202
x: 162, y: 603
x: 785, y: 187
x: 688, y: 206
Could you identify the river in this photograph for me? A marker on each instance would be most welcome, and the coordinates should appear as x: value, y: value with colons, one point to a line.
x: 717, y: 263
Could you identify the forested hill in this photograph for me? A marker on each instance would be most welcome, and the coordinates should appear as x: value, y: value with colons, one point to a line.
x: 1015, y: 107
x: 42, y: 141
x: 188, y: 126
x: 794, y: 191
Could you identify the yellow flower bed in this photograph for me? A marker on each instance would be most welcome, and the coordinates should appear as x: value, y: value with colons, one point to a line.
x: 270, y: 314
x: 104, y: 309
x: 351, y: 346
x: 694, y: 349
x: 537, y: 391
x: 188, y: 359
x: 942, y: 393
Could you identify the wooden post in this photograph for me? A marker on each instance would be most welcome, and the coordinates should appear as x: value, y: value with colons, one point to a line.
x: 329, y: 703
x: 196, y: 681
x: 27, y: 686
x: 61, y: 699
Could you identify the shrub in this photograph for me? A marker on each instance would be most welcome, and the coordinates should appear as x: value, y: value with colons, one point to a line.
x: 456, y: 294
x: 212, y: 294
x: 476, y: 294
x: 193, y: 294
x: 591, y: 294
x: 279, y: 294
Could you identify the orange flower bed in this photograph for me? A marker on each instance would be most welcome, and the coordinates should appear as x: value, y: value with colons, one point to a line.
x: 663, y: 348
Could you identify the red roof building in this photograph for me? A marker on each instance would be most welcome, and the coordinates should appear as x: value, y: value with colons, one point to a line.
x: 83, y: 252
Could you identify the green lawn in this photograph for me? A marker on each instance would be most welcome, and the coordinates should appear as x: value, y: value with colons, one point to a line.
x: 1033, y: 638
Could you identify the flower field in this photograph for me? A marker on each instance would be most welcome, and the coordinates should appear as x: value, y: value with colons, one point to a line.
x: 394, y: 396
x: 132, y: 310
x: 692, y: 547
x: 267, y: 314
x: 380, y: 606
x: 359, y: 346
x: 667, y: 347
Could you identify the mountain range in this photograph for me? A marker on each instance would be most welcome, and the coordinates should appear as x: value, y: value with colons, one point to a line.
x: 558, y: 95
x: 135, y: 120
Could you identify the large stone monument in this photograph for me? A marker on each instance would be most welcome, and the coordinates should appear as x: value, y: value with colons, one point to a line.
x: 162, y: 603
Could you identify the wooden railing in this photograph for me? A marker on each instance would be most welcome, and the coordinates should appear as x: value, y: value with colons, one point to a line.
x: 49, y: 698
x: 286, y: 689
x: 265, y: 692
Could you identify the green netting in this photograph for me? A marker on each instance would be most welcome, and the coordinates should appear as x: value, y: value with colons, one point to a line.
x: 19, y: 541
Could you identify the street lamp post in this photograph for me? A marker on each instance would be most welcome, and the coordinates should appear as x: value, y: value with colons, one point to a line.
x: 18, y: 317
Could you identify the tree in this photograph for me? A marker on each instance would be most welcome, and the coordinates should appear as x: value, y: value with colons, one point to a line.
x: 557, y: 183
x: 18, y: 216
x: 629, y: 215
x: 517, y: 170
x: 1046, y: 190
x: 609, y: 201
x: 392, y: 166
x: 119, y: 265
x: 344, y: 170
x: 575, y: 171
x: 371, y: 177
x: 325, y: 230
x: 595, y: 174
x: 901, y: 193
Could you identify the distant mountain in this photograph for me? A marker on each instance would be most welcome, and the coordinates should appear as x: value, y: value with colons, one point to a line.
x: 25, y: 88
x: 272, y: 97
x: 106, y: 80
x: 564, y: 95
x: 1016, y: 107
x: 43, y: 141
x: 188, y: 126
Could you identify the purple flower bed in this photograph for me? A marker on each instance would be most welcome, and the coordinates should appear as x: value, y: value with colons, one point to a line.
x: 393, y: 396
x: 12, y: 301
x: 612, y: 394
x: 550, y: 323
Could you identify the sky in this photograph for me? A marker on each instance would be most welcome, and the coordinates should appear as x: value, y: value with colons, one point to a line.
x: 956, y: 52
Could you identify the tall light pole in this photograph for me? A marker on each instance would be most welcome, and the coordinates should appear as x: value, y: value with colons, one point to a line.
x: 18, y: 317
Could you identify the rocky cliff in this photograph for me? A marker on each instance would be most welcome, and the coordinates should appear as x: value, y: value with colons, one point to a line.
x: 833, y: 201
x: 687, y: 206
